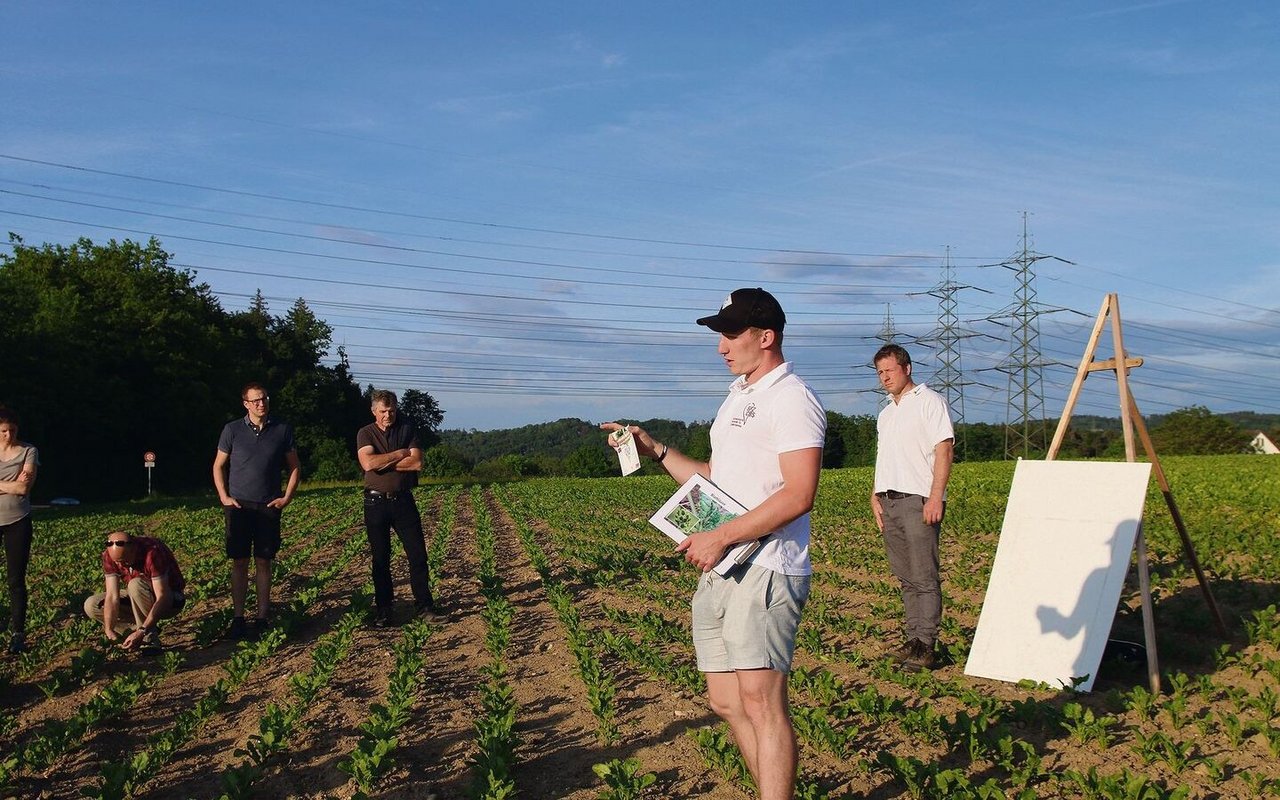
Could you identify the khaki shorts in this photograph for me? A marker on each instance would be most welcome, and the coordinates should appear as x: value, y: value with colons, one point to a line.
x: 748, y: 620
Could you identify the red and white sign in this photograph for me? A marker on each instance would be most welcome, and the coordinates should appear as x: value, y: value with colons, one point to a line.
x: 148, y: 459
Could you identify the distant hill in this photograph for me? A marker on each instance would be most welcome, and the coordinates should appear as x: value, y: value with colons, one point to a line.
x: 557, y: 439
x: 1091, y: 436
x: 1253, y: 421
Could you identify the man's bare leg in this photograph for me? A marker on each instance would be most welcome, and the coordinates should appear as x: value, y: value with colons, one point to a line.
x: 263, y: 582
x: 754, y: 703
x: 239, y: 585
x: 726, y: 701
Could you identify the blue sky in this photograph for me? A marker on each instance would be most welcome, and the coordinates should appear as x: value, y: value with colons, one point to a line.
x: 521, y: 208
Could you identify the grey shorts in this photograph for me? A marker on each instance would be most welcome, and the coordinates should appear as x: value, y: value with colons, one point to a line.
x: 748, y: 620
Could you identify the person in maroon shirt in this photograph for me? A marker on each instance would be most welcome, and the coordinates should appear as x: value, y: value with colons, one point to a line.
x: 141, y: 573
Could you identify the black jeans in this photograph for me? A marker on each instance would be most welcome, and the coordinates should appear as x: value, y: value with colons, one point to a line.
x: 381, y: 514
x: 17, y: 553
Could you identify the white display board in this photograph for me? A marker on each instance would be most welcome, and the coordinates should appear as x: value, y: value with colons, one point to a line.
x: 1064, y: 550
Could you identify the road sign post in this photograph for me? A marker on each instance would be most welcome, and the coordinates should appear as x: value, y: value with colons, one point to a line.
x: 149, y: 461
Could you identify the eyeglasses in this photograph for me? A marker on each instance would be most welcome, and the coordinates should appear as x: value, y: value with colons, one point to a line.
x: 118, y: 543
x: 254, y: 401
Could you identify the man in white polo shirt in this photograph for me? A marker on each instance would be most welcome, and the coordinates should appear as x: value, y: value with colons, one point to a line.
x: 766, y: 445
x: 913, y: 463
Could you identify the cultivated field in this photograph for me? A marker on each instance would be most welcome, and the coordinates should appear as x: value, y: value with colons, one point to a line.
x: 565, y: 667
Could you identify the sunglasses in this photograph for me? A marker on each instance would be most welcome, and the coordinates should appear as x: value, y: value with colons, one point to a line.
x: 117, y: 543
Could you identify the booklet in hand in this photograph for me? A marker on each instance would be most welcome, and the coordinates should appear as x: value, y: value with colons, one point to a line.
x: 699, y: 505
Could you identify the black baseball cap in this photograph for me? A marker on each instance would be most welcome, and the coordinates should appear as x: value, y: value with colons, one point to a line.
x: 747, y: 308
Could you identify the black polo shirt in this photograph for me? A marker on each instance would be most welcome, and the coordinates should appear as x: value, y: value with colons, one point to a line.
x: 257, y: 457
x: 400, y: 435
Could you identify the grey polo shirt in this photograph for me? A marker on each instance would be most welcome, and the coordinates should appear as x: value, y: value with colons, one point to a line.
x: 257, y: 457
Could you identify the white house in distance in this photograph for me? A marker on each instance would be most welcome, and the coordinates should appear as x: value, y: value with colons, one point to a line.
x: 1262, y: 444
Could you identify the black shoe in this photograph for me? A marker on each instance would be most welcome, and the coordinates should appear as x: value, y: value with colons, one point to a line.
x: 238, y: 630
x: 382, y: 618
x: 257, y: 626
x: 918, y: 655
x: 430, y: 612
x: 151, y: 643
x: 17, y: 644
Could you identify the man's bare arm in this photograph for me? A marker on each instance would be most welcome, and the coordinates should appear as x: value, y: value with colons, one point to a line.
x: 221, y: 463
x: 943, y: 452
x: 800, y: 471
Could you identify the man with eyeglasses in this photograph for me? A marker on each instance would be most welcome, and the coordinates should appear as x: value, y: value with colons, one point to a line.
x: 766, y: 453
x: 139, y: 572
x: 252, y: 453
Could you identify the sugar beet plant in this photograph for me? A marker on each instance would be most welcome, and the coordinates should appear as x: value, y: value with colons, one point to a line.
x: 278, y: 721
x: 598, y: 682
x: 496, y: 738
x: 380, y: 733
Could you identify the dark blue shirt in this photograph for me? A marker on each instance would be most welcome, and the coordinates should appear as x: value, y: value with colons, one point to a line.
x: 257, y: 457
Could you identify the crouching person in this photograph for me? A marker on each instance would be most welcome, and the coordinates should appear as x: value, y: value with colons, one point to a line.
x: 143, y: 585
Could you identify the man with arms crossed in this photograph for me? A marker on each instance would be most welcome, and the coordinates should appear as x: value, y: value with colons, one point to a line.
x: 913, y: 463
x: 766, y: 445
x: 252, y: 451
x: 391, y: 458
x: 139, y: 572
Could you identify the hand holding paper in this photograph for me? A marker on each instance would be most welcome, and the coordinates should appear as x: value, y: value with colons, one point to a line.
x: 624, y: 444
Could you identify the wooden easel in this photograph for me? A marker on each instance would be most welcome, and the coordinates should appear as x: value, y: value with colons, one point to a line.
x: 1131, y: 420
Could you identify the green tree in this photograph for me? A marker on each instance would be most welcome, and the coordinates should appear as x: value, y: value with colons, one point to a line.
x: 425, y: 413
x: 1196, y: 431
x: 110, y: 352
x: 591, y: 461
x: 444, y: 461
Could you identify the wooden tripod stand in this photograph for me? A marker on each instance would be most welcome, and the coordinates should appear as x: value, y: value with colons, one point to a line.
x: 1131, y: 420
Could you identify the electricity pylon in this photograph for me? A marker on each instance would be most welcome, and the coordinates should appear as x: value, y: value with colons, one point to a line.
x: 1025, y: 430
x: 948, y: 380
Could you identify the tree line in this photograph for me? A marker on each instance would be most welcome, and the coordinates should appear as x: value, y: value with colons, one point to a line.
x: 110, y: 352
x: 575, y: 447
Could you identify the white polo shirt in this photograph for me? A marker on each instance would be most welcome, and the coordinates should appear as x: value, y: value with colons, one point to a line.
x: 907, y: 431
x: 756, y: 423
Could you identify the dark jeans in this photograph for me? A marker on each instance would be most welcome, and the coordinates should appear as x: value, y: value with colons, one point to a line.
x: 912, y: 547
x: 17, y: 554
x: 381, y: 514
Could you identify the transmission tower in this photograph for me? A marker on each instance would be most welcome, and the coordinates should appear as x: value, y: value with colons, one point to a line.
x: 888, y: 334
x: 1025, y: 431
x: 948, y: 380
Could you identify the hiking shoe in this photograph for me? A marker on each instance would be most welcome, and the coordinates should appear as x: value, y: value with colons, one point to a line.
x: 903, y: 651
x: 382, y: 618
x: 17, y: 644
x: 151, y: 643
x: 257, y: 626
x: 430, y: 612
x: 238, y: 629
x: 917, y: 655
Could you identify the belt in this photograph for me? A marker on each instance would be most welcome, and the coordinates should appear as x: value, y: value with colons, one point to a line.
x: 382, y: 495
x: 893, y: 495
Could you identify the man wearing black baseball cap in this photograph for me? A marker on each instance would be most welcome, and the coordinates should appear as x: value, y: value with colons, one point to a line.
x: 766, y: 445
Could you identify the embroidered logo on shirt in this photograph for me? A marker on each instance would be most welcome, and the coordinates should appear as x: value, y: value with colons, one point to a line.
x: 747, y: 413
